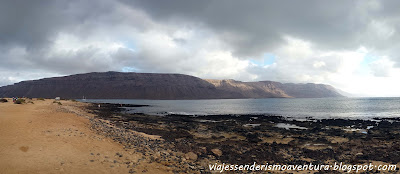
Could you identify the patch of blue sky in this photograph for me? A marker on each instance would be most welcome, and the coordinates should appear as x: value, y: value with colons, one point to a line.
x: 368, y: 58
x: 131, y: 44
x: 129, y: 69
x: 364, y: 67
x: 267, y: 59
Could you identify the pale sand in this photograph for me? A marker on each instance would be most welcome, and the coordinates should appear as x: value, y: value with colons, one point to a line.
x: 44, y: 138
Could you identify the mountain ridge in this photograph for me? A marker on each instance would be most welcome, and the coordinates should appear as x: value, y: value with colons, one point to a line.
x: 124, y: 85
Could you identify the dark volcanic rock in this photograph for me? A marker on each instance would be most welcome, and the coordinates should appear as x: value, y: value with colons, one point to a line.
x: 117, y: 85
x: 201, y: 142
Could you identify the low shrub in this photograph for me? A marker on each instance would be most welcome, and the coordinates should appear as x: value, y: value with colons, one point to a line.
x: 41, y: 99
x: 20, y: 101
x: 3, y: 100
x: 59, y: 103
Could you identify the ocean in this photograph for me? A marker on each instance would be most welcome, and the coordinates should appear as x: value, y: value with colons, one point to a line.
x: 319, y: 108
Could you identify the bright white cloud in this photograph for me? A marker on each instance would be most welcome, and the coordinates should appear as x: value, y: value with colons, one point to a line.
x: 382, y: 67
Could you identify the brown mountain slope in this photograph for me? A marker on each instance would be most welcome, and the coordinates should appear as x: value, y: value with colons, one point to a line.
x: 117, y: 85
x: 250, y: 89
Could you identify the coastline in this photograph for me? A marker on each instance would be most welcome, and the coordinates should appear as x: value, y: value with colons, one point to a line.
x: 45, y: 137
x: 76, y: 137
x: 245, y: 139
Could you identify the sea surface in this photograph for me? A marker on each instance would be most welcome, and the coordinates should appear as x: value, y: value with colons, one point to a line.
x: 349, y: 108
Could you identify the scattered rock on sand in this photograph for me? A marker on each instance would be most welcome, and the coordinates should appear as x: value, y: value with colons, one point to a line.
x: 191, y: 156
x: 203, y: 150
x: 216, y: 152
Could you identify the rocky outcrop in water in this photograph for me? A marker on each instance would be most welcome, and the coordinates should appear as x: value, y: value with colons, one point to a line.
x: 118, y: 85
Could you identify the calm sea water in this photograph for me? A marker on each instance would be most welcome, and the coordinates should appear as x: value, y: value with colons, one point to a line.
x: 299, y: 108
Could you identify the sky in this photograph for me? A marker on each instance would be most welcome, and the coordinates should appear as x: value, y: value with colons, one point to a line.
x: 351, y: 45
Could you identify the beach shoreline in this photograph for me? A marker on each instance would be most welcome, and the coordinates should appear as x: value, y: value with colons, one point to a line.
x: 245, y: 139
x: 42, y: 136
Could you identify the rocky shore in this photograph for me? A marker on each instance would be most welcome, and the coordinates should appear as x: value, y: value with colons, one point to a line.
x: 188, y: 144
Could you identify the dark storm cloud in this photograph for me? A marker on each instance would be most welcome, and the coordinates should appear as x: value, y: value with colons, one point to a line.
x: 29, y: 29
x: 32, y: 24
x: 35, y: 23
x: 310, y: 39
x: 251, y: 28
x: 254, y: 27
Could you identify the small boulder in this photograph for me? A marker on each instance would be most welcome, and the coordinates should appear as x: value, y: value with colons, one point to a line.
x: 203, y: 150
x: 191, y: 156
x: 216, y: 152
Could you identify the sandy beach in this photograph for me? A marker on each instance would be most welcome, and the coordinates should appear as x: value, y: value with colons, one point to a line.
x: 46, y: 137
x: 199, y: 87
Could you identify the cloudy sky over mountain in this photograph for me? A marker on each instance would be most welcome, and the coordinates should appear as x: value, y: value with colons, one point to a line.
x: 352, y: 45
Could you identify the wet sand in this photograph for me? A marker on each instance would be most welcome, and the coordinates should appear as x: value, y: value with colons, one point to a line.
x: 46, y: 137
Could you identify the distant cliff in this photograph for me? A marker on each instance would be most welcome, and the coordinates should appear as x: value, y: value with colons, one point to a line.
x: 118, y: 85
